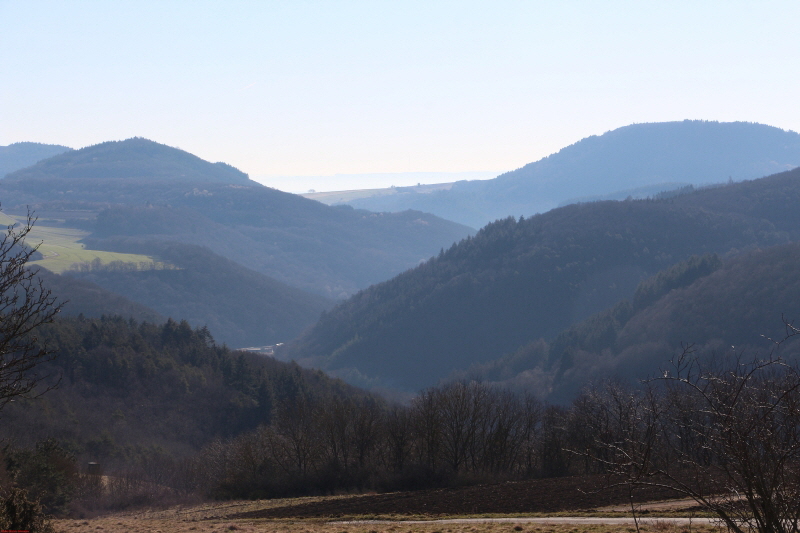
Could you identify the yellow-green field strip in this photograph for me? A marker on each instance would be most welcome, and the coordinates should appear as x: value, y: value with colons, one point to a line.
x: 62, y: 250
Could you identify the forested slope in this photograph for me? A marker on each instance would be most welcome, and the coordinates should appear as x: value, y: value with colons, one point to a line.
x: 147, y: 190
x: 240, y: 307
x: 716, y: 308
x: 81, y: 297
x: 133, y: 390
x: 520, y: 280
x: 135, y: 158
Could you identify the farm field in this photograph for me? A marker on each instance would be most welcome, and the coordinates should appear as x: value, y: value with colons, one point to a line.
x: 545, y: 506
x: 62, y: 249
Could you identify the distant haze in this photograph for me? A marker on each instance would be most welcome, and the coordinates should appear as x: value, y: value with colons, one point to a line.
x: 344, y: 182
x: 637, y: 160
x: 359, y: 87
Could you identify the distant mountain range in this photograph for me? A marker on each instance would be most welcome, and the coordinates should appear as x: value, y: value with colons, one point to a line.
x: 254, y: 264
x: 517, y: 302
x: 132, y: 159
x: 518, y: 281
x: 20, y: 155
x: 649, y: 157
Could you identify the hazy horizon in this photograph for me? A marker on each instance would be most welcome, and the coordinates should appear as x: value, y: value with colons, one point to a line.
x: 374, y: 180
x: 354, y: 87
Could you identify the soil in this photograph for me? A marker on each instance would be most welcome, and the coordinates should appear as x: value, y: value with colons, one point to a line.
x: 521, y: 497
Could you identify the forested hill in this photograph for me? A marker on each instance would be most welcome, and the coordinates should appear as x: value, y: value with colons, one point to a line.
x: 521, y: 280
x: 240, y: 307
x: 724, y: 309
x: 637, y: 156
x: 85, y: 298
x: 24, y: 154
x: 134, y: 158
x: 158, y: 193
x: 133, y: 390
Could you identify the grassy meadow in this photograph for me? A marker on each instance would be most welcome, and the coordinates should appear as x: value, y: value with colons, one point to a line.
x: 62, y: 249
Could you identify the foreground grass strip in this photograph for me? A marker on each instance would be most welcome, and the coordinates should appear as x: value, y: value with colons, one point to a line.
x: 569, y: 520
x: 119, y: 524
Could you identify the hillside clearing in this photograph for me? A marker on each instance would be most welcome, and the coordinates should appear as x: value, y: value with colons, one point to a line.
x: 63, y: 251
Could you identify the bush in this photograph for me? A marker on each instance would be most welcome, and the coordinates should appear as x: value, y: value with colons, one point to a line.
x: 47, y: 472
x: 17, y: 512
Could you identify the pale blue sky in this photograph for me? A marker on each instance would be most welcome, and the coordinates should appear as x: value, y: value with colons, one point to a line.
x: 323, y: 88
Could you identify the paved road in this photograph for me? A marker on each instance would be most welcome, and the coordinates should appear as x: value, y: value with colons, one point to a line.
x: 572, y: 520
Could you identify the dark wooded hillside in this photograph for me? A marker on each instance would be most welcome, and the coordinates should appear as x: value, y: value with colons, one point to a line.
x: 239, y: 306
x: 130, y: 389
x: 81, y: 297
x: 517, y: 281
x: 134, y: 158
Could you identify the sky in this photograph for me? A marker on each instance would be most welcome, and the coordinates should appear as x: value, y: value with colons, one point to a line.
x: 335, y: 95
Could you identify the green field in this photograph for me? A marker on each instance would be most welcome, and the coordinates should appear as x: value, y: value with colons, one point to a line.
x: 62, y: 251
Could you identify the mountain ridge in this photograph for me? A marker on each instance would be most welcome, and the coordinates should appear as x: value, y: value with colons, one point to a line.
x: 633, y: 156
x: 20, y: 155
x: 134, y: 158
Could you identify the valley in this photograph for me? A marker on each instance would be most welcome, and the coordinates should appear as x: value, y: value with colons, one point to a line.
x: 427, y: 369
x: 399, y: 267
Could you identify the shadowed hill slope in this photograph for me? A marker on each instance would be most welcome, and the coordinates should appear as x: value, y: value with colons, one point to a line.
x: 725, y: 309
x: 138, y: 391
x: 239, y: 306
x: 518, y: 281
x: 82, y: 297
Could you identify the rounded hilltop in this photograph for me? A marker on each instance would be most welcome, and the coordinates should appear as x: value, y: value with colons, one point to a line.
x: 135, y: 158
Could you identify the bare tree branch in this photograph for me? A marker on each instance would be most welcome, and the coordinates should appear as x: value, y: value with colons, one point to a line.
x: 725, y: 433
x: 25, y: 304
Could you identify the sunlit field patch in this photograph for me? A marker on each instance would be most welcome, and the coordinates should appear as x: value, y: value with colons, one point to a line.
x: 62, y: 250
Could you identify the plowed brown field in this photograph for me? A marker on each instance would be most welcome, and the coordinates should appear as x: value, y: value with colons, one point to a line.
x: 536, y: 496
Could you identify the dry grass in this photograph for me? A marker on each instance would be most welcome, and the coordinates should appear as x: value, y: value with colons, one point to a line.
x: 113, y: 524
x: 212, y: 518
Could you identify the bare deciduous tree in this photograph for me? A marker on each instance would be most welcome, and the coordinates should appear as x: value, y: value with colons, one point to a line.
x: 723, y: 432
x: 25, y: 304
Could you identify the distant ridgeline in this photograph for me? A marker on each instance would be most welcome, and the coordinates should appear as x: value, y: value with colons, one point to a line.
x: 138, y: 188
x: 639, y: 160
x: 134, y: 158
x: 518, y: 281
x: 20, y: 155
